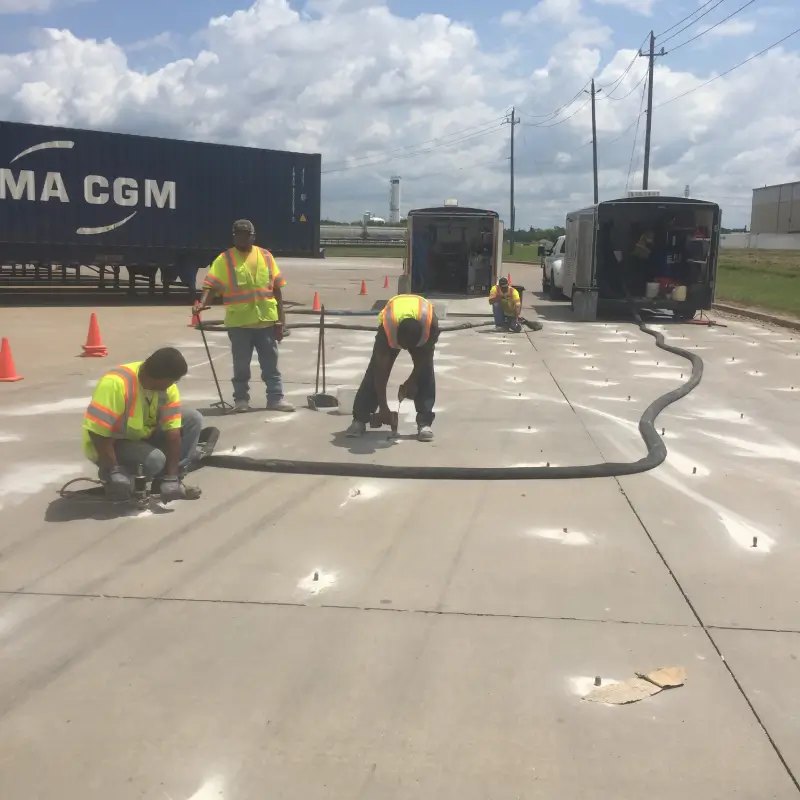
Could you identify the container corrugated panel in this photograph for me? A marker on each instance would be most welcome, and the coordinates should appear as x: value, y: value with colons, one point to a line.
x: 84, y: 195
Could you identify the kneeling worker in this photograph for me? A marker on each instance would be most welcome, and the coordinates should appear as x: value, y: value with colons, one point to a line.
x: 407, y: 322
x: 506, y: 305
x: 135, y: 419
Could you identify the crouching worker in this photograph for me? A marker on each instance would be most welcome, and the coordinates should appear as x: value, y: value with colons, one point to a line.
x: 506, y: 306
x: 407, y: 322
x: 135, y: 420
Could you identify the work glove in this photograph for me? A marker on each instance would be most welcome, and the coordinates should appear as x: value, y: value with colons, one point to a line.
x: 198, y: 307
x: 119, y: 486
x: 171, y: 489
x: 278, y: 331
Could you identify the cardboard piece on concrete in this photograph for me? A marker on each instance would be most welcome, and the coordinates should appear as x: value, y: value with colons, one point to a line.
x: 618, y: 694
x: 665, y: 677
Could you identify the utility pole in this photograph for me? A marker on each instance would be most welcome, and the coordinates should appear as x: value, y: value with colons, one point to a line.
x: 512, y: 120
x: 594, y: 142
x: 651, y: 56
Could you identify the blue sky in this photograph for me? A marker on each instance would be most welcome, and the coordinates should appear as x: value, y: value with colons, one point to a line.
x: 741, y: 131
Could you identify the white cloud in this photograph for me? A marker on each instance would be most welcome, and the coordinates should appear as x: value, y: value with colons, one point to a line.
x: 354, y: 81
x: 644, y: 7
x: 25, y: 6
x: 733, y: 27
x: 563, y: 12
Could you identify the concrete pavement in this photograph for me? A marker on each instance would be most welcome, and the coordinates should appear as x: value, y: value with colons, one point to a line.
x: 452, y: 628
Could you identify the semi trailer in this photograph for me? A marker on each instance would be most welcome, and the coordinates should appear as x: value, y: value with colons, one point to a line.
x: 78, y: 206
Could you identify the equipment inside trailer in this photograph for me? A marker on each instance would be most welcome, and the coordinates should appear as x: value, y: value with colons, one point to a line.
x: 452, y: 253
x: 656, y: 251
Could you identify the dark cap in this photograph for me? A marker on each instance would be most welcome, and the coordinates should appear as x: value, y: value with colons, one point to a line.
x: 502, y: 282
x: 243, y: 226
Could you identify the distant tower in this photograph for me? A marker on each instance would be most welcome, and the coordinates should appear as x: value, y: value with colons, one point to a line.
x: 394, y: 200
x: 686, y: 191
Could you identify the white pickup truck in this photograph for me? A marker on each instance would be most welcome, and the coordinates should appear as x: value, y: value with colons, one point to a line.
x: 553, y: 269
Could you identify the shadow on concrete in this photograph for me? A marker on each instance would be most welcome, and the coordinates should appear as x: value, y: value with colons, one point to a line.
x: 370, y: 443
x: 90, y: 504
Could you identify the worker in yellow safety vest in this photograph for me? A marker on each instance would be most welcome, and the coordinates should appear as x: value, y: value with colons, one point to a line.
x: 249, y: 281
x: 407, y: 322
x: 506, y: 306
x: 135, y: 421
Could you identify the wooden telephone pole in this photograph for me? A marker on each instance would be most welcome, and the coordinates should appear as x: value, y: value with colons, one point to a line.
x: 594, y: 142
x: 512, y: 120
x: 651, y: 56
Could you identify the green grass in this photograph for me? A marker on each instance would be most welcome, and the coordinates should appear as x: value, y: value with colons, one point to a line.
x: 525, y: 253
x: 766, y: 279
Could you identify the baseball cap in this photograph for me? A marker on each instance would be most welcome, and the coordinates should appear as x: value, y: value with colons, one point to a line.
x: 503, y: 282
x: 243, y: 225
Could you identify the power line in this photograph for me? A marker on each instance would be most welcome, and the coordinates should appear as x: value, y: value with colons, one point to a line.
x: 560, y: 122
x: 641, y: 81
x: 478, y: 135
x: 615, y: 83
x: 419, y: 144
x: 635, y: 137
x: 681, y: 21
x: 708, y: 30
x: 693, y: 22
x: 728, y: 71
x: 554, y: 114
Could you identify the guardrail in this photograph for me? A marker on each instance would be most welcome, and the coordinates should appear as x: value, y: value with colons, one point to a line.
x: 325, y: 242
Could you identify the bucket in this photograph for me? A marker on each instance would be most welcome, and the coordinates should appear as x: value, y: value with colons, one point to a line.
x: 679, y: 293
x: 652, y: 290
x: 346, y: 395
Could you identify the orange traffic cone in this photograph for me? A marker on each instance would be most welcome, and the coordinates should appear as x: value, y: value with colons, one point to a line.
x: 316, y: 305
x: 8, y: 372
x: 94, y: 347
x: 509, y: 279
x: 386, y: 282
x: 195, y: 321
x: 363, y: 287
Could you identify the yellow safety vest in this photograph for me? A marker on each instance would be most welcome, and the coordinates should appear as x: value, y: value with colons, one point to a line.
x: 122, y: 409
x: 510, y: 300
x: 247, y: 301
x: 406, y: 306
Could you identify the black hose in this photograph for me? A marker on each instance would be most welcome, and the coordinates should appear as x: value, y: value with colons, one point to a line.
x: 656, y: 449
x: 219, y: 325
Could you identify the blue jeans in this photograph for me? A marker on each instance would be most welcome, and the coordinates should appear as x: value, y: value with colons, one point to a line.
x: 149, y: 453
x: 262, y: 340
x: 501, y: 319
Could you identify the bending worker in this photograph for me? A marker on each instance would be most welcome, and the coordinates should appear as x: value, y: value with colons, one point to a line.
x: 506, y: 306
x: 249, y: 281
x: 135, y: 419
x: 407, y: 322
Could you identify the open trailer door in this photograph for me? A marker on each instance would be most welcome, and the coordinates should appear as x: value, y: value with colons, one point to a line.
x: 404, y: 281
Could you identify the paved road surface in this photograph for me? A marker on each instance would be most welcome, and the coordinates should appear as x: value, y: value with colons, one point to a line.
x: 445, y: 647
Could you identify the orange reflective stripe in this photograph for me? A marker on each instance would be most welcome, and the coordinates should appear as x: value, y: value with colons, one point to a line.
x: 130, y: 383
x: 176, y: 404
x: 101, y: 422
x: 268, y: 260
x: 170, y: 419
x: 100, y: 412
x: 427, y: 322
x: 233, y: 283
x: 214, y: 282
x: 390, y: 324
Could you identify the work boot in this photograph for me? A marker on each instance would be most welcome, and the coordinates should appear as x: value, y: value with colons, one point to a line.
x: 241, y: 405
x: 425, y: 433
x: 279, y: 405
x: 356, y: 429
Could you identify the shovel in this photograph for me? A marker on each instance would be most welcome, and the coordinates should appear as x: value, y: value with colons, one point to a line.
x: 321, y: 399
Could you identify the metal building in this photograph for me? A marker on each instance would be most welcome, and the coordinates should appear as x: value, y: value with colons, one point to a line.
x: 776, y: 209
x: 394, y: 200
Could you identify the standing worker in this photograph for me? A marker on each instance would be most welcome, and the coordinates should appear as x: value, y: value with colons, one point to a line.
x: 506, y: 306
x: 249, y: 281
x: 135, y: 419
x: 407, y: 322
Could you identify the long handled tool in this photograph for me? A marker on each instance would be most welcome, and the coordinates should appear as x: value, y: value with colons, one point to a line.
x: 321, y: 399
x: 224, y: 406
